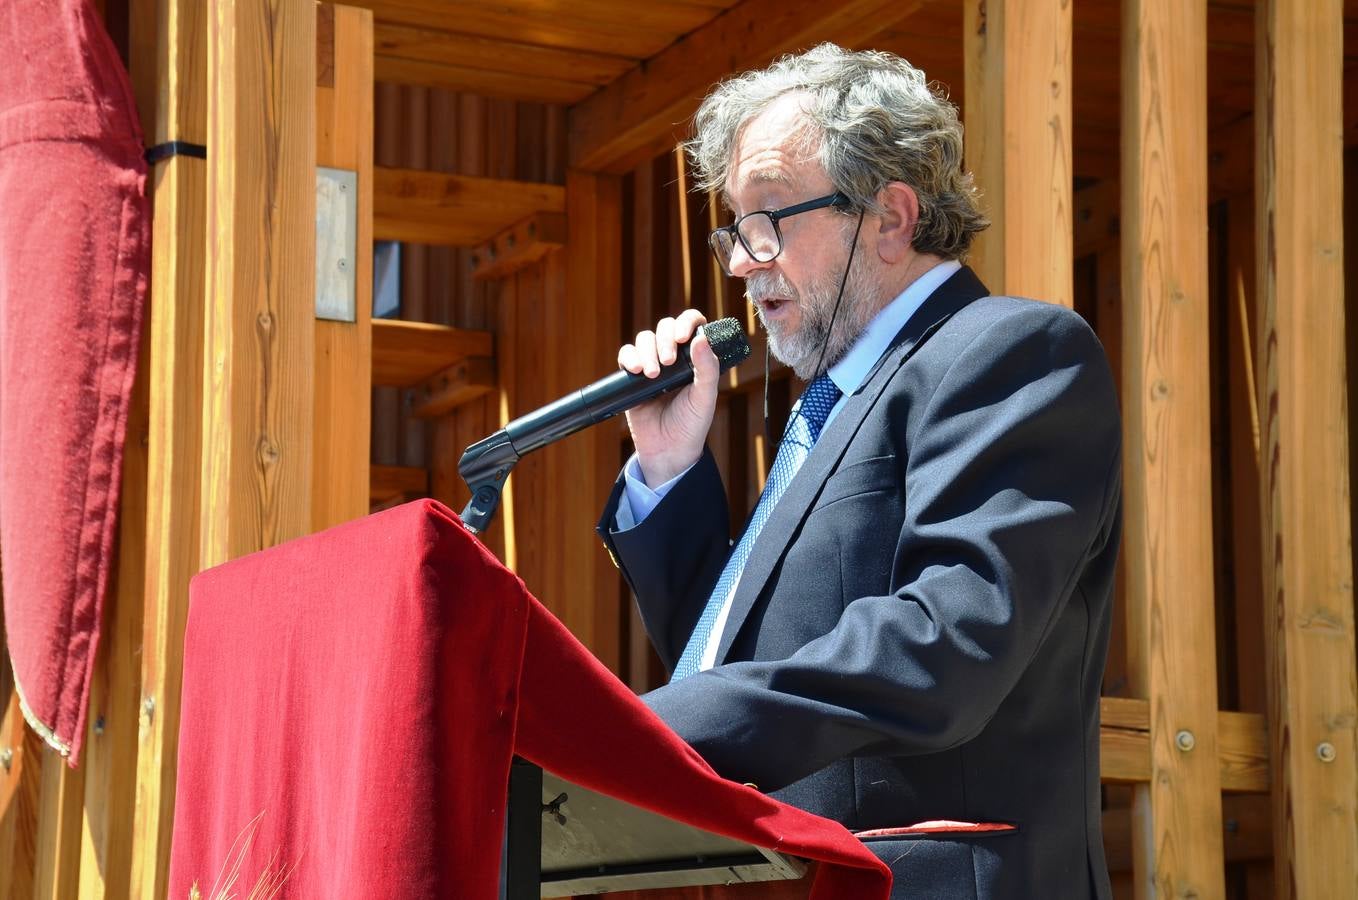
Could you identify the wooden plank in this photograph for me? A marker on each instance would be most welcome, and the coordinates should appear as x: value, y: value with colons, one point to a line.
x: 406, y: 482
x: 460, y: 383
x: 20, y: 780
x: 1125, y: 740
x: 1245, y: 832
x: 590, y: 599
x: 638, y: 114
x: 61, y: 792
x: 174, y: 458
x: 454, y: 210
x: 405, y: 354
x: 110, y: 754
x: 485, y: 82
x: 1018, y: 147
x: 1167, y: 444
x: 259, y: 341
x: 638, y: 33
x: 1308, y: 575
x: 522, y: 244
x: 509, y: 57
x: 343, y: 410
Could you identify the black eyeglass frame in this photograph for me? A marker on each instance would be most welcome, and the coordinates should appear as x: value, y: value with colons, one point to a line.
x: 775, y: 216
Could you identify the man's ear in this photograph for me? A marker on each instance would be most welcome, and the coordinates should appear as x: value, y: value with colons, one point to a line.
x: 896, y: 226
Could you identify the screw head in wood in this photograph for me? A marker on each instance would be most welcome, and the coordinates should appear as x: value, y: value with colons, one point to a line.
x: 148, y: 709
x: 1185, y: 741
x: 7, y: 758
x: 1325, y: 752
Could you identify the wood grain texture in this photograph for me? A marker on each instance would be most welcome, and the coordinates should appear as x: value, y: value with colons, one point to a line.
x: 1307, y: 567
x: 589, y: 599
x: 61, y: 795
x: 407, y: 482
x: 481, y: 81
x: 531, y: 62
x: 1018, y: 146
x: 1125, y: 741
x: 20, y: 784
x: 405, y: 354
x: 642, y: 112
x: 343, y: 414
x: 174, y: 456
x: 259, y: 340
x: 456, y: 385
x: 110, y: 751
x: 1167, y: 445
x: 520, y: 245
x: 453, y: 210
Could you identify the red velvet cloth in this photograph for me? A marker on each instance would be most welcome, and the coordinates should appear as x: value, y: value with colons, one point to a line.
x: 74, y: 263
x: 357, y: 696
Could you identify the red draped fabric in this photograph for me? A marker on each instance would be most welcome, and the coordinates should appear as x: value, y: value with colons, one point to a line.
x: 351, y: 704
x: 74, y: 263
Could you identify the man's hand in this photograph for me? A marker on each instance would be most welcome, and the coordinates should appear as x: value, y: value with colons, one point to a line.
x: 669, y: 431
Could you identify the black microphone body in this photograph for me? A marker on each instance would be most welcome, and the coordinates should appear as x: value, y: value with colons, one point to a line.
x: 491, y: 457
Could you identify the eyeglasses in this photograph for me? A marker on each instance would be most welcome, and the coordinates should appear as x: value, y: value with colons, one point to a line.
x: 758, y: 231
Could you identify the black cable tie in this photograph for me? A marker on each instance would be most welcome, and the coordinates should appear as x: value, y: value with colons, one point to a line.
x: 164, y: 151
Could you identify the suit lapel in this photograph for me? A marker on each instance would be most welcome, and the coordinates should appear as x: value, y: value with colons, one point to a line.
x: 786, y: 518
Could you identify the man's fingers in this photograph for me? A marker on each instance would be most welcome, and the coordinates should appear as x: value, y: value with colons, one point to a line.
x: 645, y: 345
x: 687, y: 323
x: 665, y: 344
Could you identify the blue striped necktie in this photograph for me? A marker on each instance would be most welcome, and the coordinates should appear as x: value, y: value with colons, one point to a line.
x: 804, y: 427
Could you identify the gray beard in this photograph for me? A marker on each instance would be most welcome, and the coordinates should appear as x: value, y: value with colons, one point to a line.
x: 807, y: 351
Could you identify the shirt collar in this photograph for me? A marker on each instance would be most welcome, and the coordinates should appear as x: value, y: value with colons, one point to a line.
x: 853, y: 367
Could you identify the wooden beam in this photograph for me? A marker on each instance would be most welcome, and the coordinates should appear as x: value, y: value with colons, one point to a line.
x: 1245, y: 832
x: 1125, y: 746
x: 61, y: 792
x: 1018, y: 127
x: 408, y: 353
x: 110, y: 750
x: 589, y: 599
x: 642, y: 112
x: 1167, y: 444
x: 405, y: 482
x: 259, y: 342
x: 1308, y: 576
x: 521, y: 244
x: 20, y: 785
x: 530, y: 61
x: 454, y: 210
x: 178, y: 76
x: 460, y: 383
x: 343, y: 410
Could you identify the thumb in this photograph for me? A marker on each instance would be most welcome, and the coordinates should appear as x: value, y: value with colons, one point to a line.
x: 706, y: 370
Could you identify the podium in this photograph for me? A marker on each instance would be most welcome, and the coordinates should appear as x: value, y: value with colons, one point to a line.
x: 352, y: 701
x: 566, y: 841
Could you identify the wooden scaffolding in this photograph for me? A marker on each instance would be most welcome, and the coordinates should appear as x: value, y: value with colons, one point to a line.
x: 1172, y: 169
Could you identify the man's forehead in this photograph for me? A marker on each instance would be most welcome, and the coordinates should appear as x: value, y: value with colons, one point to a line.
x: 772, y: 148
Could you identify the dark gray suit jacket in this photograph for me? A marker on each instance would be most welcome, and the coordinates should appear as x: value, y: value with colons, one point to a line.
x: 921, y: 628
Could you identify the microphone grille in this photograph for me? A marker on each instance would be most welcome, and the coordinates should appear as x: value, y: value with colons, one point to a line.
x: 727, y: 339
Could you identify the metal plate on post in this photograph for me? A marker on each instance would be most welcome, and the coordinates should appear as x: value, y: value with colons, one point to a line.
x: 336, y: 243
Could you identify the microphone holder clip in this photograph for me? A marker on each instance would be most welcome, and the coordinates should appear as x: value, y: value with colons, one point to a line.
x: 485, y: 466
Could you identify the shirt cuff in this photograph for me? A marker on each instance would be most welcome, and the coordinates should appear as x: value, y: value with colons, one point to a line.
x: 639, y: 499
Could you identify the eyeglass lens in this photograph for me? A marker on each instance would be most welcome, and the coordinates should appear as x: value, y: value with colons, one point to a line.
x: 758, y: 234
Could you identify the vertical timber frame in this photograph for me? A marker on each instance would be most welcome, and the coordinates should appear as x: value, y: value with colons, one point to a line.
x: 1018, y: 146
x: 1168, y: 547
x: 175, y: 365
x: 1308, y: 577
x: 259, y: 335
x: 589, y: 603
x: 344, y: 140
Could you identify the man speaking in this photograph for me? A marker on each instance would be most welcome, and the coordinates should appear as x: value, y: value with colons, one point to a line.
x: 913, y: 624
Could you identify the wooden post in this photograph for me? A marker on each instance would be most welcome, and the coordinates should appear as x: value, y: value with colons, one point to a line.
x: 588, y: 601
x: 1018, y: 144
x: 61, y: 792
x: 259, y: 340
x: 344, y: 140
x: 21, y: 753
x: 1308, y: 577
x: 1167, y: 445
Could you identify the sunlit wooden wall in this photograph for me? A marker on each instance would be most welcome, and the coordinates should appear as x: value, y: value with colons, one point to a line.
x: 1172, y: 170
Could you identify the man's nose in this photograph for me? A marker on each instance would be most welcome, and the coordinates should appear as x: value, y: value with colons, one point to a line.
x: 742, y: 263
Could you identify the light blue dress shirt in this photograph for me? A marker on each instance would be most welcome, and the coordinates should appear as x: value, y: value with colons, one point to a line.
x: 847, y: 374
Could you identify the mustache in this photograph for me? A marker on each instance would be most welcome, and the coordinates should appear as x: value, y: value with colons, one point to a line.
x: 766, y: 285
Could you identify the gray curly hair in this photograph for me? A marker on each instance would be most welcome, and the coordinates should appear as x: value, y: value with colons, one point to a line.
x: 877, y: 121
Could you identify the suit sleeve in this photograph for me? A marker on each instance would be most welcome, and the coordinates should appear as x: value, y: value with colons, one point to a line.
x: 1012, y: 484
x: 673, y: 557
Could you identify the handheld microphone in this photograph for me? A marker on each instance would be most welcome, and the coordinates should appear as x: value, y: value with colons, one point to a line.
x: 486, y: 464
